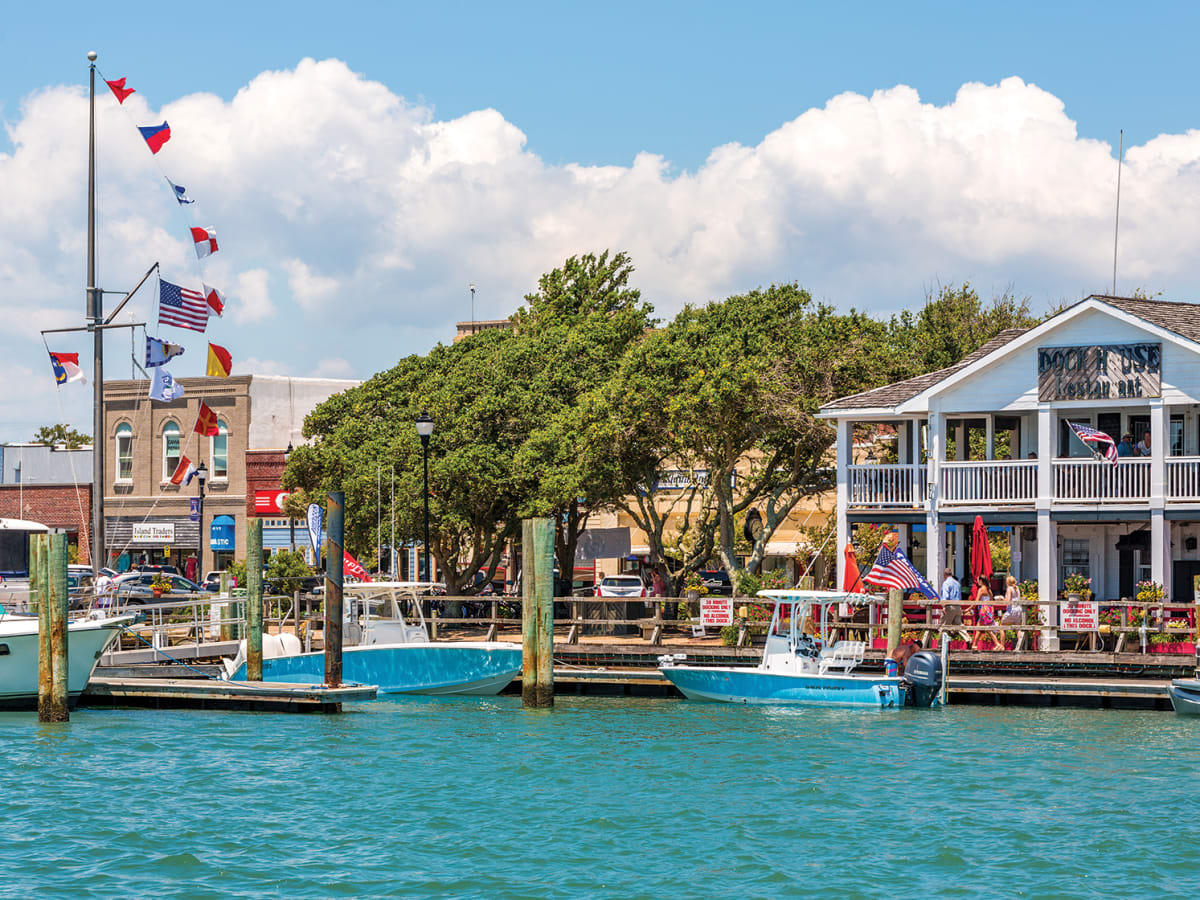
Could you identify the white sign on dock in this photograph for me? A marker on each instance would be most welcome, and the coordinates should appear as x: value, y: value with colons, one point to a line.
x: 1082, y: 616
x: 716, y: 612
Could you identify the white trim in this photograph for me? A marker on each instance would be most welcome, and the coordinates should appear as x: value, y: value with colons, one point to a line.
x: 162, y: 436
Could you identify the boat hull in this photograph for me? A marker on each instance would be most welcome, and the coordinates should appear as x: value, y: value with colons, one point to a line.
x: 753, y: 686
x: 1185, y: 697
x: 476, y: 668
x: 86, y: 642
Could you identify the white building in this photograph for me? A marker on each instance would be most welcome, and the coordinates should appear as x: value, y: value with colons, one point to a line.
x: 990, y: 437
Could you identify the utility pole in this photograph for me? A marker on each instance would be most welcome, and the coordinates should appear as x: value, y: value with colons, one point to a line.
x: 95, y: 312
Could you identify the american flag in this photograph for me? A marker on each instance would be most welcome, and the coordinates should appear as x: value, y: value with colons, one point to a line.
x: 1097, y: 439
x: 892, y: 569
x: 181, y: 307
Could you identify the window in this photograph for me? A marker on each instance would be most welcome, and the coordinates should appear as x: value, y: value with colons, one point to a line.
x: 1176, y: 436
x: 218, y: 451
x: 1075, y: 560
x: 124, y: 453
x: 171, y: 450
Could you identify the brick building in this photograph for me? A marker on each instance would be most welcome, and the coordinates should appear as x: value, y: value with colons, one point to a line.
x: 65, y: 508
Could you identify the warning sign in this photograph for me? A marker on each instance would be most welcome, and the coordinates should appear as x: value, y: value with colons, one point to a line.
x: 1081, y: 616
x: 716, y: 612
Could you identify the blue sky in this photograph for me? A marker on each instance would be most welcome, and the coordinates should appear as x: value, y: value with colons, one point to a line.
x: 362, y: 163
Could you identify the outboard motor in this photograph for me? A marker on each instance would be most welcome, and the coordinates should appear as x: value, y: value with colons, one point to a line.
x: 923, y: 677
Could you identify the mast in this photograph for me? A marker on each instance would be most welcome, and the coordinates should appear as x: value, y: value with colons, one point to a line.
x: 95, y: 314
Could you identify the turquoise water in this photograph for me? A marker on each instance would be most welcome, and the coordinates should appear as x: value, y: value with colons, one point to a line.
x: 601, y: 798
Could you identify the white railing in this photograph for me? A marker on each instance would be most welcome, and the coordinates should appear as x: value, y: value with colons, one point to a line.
x: 887, y: 485
x: 1183, y: 478
x: 994, y: 482
x: 1099, y: 481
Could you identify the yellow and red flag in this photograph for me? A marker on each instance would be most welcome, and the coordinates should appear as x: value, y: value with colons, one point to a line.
x: 206, y: 421
x: 220, y: 363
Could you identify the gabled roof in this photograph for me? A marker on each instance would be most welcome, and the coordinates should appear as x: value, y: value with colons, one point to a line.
x: 1181, y: 318
x: 892, y: 395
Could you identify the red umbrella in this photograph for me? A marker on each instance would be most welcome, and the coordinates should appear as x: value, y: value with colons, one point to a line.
x: 981, y: 549
x: 852, y: 583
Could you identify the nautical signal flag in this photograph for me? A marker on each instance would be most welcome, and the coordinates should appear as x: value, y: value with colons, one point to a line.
x: 183, y: 472
x: 220, y: 363
x: 118, y: 88
x: 159, y: 351
x: 206, y: 241
x: 180, y: 192
x: 163, y: 387
x: 181, y: 307
x: 206, y: 421
x: 216, y: 300
x: 66, y: 368
x: 155, y: 135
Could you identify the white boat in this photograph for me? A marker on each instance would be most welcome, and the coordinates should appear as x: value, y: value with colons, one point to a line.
x: 797, y: 670
x: 393, y: 652
x: 87, y: 639
x: 1185, y: 696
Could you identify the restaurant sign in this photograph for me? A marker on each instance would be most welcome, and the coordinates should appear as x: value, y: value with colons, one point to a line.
x: 153, y: 533
x: 1100, y: 372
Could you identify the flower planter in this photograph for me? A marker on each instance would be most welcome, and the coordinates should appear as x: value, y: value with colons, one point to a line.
x: 1187, y: 648
x: 879, y: 644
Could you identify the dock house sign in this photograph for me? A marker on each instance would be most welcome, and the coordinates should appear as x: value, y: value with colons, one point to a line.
x: 1100, y: 372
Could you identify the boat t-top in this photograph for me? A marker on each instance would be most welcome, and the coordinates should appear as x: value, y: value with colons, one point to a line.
x: 797, y: 668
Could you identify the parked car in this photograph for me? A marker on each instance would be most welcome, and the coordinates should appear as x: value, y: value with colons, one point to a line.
x: 79, y: 588
x: 136, y: 588
x: 621, y: 586
x: 717, y: 581
x: 154, y: 567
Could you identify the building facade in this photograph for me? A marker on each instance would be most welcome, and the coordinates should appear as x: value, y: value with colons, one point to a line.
x: 49, y: 485
x: 150, y: 519
x: 992, y: 437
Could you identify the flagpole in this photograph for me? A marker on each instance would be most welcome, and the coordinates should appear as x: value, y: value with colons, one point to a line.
x: 95, y: 300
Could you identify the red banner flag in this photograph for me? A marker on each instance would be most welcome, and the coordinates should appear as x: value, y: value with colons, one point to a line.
x: 118, y: 88
x: 206, y: 421
x: 353, y: 567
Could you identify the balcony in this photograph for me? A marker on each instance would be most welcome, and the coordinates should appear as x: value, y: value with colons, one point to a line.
x: 997, y: 482
x: 887, y: 486
x: 1099, y: 481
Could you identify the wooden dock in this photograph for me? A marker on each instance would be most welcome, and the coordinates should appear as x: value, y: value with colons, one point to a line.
x: 203, y: 693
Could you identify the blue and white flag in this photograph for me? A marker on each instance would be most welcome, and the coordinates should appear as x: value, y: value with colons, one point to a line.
x: 159, y: 351
x: 315, y: 515
x: 180, y: 192
x: 163, y: 387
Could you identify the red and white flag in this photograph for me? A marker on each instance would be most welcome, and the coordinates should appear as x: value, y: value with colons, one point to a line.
x: 206, y: 241
x: 216, y: 300
x: 353, y: 567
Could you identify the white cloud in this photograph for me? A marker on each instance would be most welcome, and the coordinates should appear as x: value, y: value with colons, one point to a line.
x: 350, y: 220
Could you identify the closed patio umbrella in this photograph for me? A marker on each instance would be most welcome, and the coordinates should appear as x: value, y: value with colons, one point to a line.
x: 981, y: 550
x: 852, y: 583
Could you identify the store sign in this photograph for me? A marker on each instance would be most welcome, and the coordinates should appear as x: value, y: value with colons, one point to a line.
x: 1100, y: 372
x: 716, y: 612
x: 1082, y: 616
x: 153, y: 533
x: 269, y: 503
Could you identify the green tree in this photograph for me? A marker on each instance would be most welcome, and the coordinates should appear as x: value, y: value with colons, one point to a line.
x: 61, y: 436
x: 285, y: 569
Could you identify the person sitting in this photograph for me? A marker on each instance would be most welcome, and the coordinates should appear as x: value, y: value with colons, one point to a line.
x: 1125, y: 447
x: 985, y: 617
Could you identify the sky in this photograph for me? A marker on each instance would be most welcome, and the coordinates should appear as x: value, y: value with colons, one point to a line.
x: 363, y: 164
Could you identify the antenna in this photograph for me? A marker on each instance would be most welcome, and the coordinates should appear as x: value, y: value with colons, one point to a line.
x: 1117, y: 224
x: 471, y: 288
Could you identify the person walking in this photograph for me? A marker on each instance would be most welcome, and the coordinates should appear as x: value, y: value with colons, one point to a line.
x: 951, y: 606
x: 985, y: 617
x: 1014, y: 612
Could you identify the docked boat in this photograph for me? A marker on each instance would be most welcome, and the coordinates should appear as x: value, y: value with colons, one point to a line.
x: 87, y: 639
x: 796, y: 669
x: 1185, y: 696
x: 386, y: 643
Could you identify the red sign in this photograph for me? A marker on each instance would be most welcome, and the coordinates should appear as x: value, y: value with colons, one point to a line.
x: 269, y: 503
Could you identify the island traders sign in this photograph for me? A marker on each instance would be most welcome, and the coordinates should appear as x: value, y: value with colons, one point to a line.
x: 1100, y: 372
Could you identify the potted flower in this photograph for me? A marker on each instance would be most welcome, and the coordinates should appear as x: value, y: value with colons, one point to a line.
x: 1078, y: 587
x: 160, y: 585
x: 1029, y: 591
x: 1173, y: 639
x: 693, y: 589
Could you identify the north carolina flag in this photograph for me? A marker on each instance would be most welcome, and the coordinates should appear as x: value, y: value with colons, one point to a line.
x: 220, y: 363
x: 155, y: 135
x: 215, y: 299
x: 185, y: 469
x: 66, y: 368
x: 206, y: 241
x: 118, y: 88
x: 206, y: 421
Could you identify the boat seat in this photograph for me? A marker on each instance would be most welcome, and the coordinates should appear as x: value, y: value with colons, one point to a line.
x: 844, y: 655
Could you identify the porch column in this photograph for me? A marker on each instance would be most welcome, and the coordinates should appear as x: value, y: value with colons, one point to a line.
x: 1160, y: 543
x: 1047, y: 528
x: 990, y: 440
x: 935, y: 530
x: 914, y: 428
x: 844, y: 431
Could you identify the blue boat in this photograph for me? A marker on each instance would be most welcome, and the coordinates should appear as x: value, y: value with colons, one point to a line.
x: 797, y: 670
x: 393, y: 652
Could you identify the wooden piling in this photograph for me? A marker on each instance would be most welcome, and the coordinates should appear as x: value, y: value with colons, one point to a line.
x: 254, y: 600
x: 543, y: 539
x: 895, y: 615
x: 529, y: 630
x: 58, y: 602
x: 39, y: 575
x: 335, y: 535
x: 226, y: 632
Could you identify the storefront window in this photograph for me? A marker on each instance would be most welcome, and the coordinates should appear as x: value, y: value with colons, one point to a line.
x: 219, y: 451
x: 171, y: 450
x: 124, y: 453
x: 1075, y: 559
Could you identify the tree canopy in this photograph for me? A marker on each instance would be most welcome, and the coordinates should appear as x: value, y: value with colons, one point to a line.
x: 61, y: 436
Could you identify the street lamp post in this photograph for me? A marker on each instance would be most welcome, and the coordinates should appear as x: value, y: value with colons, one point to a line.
x: 201, y: 477
x: 425, y: 429
x: 291, y: 522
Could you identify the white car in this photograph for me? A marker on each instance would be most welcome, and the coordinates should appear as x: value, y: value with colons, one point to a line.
x: 620, y: 586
